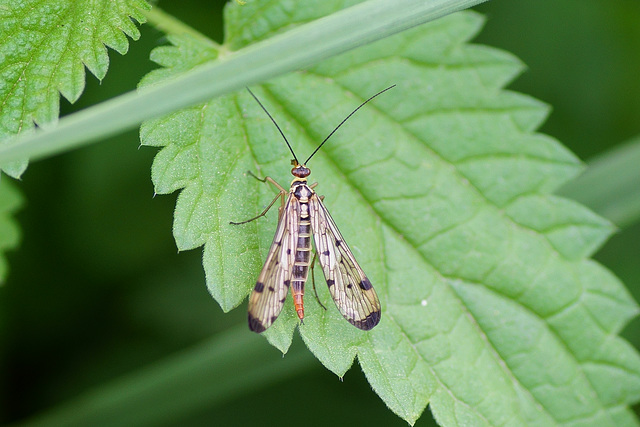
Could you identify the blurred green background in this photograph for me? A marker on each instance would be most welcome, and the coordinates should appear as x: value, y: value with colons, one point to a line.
x: 97, y: 289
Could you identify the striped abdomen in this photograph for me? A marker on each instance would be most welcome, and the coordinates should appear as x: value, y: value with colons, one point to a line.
x: 303, y: 250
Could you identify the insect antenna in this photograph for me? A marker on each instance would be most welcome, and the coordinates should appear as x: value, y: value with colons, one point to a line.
x: 341, y: 123
x: 274, y: 122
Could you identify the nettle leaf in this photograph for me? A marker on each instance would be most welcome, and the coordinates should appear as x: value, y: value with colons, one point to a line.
x: 10, y: 202
x: 492, y: 312
x: 44, y: 47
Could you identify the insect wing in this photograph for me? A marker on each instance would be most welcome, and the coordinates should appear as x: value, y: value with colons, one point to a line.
x: 350, y: 289
x: 270, y: 292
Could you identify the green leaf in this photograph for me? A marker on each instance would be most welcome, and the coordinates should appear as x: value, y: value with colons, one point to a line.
x: 492, y: 312
x: 44, y: 47
x: 10, y: 202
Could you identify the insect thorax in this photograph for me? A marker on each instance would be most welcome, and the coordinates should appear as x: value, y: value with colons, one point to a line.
x: 301, y: 190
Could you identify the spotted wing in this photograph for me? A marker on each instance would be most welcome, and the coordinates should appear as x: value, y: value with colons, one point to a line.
x: 352, y: 292
x: 270, y: 292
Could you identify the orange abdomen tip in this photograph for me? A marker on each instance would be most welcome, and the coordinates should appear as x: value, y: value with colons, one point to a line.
x: 298, y: 304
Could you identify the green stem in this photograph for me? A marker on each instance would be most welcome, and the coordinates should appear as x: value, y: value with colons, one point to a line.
x: 293, y: 50
x: 217, y: 370
x: 610, y: 185
x: 168, y: 24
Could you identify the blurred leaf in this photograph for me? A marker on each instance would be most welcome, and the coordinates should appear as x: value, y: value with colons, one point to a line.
x: 10, y: 202
x: 44, y: 47
x: 610, y: 184
x: 200, y: 376
x: 491, y: 311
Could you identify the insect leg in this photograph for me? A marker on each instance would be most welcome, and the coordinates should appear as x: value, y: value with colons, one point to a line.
x: 281, y: 194
x: 264, y: 212
x: 313, y: 281
x: 268, y: 179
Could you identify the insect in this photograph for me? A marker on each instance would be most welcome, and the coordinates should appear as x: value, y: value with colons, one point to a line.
x: 302, y: 215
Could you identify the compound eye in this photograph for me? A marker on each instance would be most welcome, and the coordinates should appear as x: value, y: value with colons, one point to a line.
x: 300, y: 171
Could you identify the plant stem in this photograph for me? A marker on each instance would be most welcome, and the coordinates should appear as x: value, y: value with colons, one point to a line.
x: 293, y: 50
x: 168, y: 24
x: 230, y: 364
x: 610, y: 184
